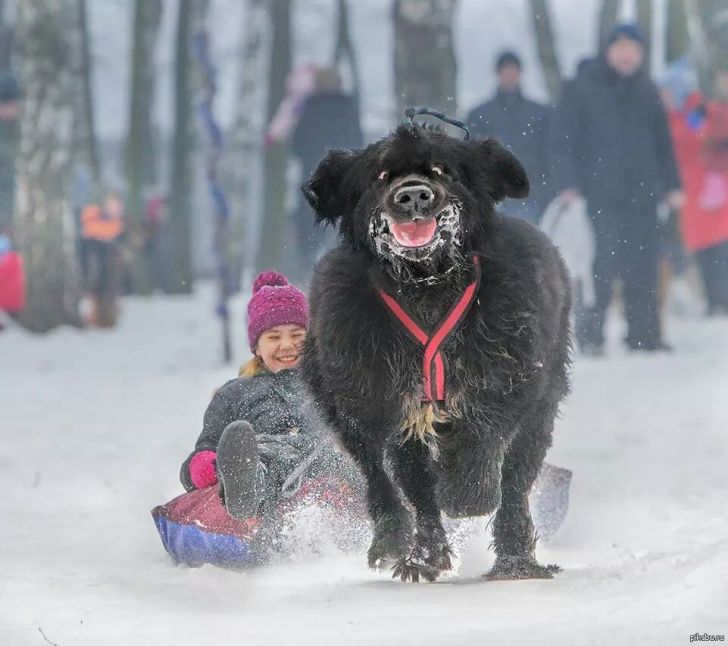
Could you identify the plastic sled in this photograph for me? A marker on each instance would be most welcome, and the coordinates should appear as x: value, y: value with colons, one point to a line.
x: 196, y: 529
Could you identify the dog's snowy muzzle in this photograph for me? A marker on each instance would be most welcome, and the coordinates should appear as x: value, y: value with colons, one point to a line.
x: 419, y: 238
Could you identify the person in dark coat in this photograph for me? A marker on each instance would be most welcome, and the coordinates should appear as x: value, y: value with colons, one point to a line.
x: 329, y: 119
x: 261, y: 432
x: 611, y: 143
x: 522, y: 126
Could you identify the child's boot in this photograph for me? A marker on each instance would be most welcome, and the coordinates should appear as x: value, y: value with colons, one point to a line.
x: 238, y: 464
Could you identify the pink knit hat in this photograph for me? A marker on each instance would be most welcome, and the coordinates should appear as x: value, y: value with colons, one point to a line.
x: 274, y: 302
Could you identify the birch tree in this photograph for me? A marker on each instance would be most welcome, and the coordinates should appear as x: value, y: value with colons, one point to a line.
x: 49, y: 39
x: 242, y: 159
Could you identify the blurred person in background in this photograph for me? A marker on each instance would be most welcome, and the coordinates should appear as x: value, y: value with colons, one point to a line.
x: 700, y: 131
x: 329, y: 118
x: 154, y: 247
x: 102, y: 225
x: 611, y: 144
x: 12, y: 278
x: 522, y: 126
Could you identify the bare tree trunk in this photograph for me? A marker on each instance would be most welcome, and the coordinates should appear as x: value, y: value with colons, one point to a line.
x: 698, y: 45
x: 546, y: 46
x: 210, y: 130
x: 275, y: 160
x: 425, y: 70
x: 607, y: 20
x: 50, y: 43
x: 8, y: 125
x: 644, y: 19
x: 7, y: 37
x: 87, y: 116
x: 708, y: 29
x: 344, y: 48
x: 241, y: 161
x: 140, y: 158
x: 180, y: 215
x: 714, y: 14
x: 678, y: 42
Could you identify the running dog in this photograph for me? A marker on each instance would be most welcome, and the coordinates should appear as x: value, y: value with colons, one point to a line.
x: 439, y: 343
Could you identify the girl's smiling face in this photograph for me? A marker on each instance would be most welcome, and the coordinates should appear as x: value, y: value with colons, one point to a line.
x: 280, y: 347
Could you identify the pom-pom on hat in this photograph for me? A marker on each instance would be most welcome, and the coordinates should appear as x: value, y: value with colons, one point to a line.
x: 274, y: 302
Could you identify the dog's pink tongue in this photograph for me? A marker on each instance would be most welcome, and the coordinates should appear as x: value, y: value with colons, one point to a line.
x: 415, y: 233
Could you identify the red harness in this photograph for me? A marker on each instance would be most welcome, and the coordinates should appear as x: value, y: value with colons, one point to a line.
x: 433, y: 361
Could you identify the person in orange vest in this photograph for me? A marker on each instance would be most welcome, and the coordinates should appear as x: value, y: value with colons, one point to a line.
x: 102, y: 225
x: 700, y: 131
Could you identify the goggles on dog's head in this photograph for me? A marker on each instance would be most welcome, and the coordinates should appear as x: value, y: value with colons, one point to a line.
x: 437, y: 120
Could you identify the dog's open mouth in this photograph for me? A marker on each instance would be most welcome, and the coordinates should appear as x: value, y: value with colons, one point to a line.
x: 416, y: 233
x: 416, y: 239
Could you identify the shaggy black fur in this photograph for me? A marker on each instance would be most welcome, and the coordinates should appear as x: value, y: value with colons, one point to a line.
x: 507, y: 362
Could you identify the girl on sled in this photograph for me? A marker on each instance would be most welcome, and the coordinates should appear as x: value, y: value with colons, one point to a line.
x: 263, y: 446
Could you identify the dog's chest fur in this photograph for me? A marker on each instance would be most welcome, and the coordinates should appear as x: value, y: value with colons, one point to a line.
x: 486, y: 356
x: 371, y: 368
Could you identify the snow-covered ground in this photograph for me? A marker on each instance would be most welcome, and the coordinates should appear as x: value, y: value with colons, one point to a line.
x: 95, y: 424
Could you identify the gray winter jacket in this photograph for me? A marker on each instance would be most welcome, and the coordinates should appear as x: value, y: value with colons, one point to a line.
x: 287, y: 425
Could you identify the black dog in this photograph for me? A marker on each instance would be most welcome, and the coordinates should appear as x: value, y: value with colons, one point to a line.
x: 439, y: 343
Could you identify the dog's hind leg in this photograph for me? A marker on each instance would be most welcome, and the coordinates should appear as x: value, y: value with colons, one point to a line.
x: 392, y: 539
x: 431, y: 555
x: 513, y: 533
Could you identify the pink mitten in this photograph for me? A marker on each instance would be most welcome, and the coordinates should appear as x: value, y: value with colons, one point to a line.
x: 202, y: 469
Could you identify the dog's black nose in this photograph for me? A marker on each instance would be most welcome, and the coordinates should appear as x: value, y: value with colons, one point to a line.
x: 414, y: 199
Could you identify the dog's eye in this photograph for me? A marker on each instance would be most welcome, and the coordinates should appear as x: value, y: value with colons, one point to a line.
x: 382, y: 175
x: 437, y: 169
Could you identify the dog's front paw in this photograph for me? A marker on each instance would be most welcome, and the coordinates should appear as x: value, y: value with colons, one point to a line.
x: 426, y: 561
x: 430, y: 556
x: 512, y: 568
x: 392, y: 542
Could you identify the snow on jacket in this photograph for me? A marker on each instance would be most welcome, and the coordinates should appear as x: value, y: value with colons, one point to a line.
x: 700, y: 132
x: 280, y: 410
x: 521, y: 125
x: 611, y: 138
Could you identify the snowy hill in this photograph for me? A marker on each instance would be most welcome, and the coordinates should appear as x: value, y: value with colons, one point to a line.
x: 95, y: 426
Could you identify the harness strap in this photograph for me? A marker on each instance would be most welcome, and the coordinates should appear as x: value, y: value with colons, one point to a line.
x: 433, y: 361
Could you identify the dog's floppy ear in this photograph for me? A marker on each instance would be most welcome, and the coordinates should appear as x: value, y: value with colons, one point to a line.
x: 323, y: 190
x: 505, y: 173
